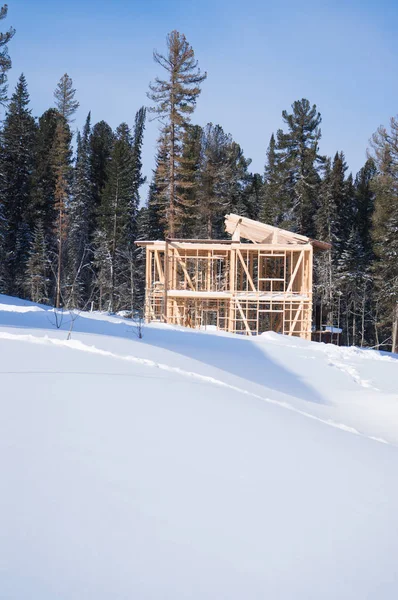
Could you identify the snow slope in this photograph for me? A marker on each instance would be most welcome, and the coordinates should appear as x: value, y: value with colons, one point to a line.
x: 192, y: 464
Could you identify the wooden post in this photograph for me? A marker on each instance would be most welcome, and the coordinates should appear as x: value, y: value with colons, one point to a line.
x: 166, y: 280
x: 231, y: 312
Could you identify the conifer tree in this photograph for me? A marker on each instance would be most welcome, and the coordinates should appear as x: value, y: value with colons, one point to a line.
x: 385, y: 232
x: 237, y: 180
x: 101, y: 144
x: 213, y: 193
x: 154, y: 219
x: 352, y: 280
x: 64, y: 96
x: 175, y: 99
x: 364, y: 203
x: 273, y: 200
x: 43, y: 178
x: 300, y: 161
x: 132, y: 255
x: 16, y: 164
x: 5, y: 61
x: 188, y: 181
x: 253, y: 196
x: 81, y: 212
x: 102, y: 263
x: 61, y: 155
x: 37, y: 269
x: 115, y: 218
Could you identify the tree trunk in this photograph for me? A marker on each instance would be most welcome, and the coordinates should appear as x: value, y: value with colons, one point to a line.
x: 60, y: 233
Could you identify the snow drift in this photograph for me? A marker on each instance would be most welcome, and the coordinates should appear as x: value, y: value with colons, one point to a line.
x: 192, y: 464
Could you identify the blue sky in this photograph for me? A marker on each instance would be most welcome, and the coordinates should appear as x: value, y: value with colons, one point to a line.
x: 260, y: 56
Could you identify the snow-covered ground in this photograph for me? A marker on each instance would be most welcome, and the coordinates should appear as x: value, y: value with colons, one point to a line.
x: 192, y: 465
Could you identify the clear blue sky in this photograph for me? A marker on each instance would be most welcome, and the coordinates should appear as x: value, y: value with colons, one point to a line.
x: 260, y: 56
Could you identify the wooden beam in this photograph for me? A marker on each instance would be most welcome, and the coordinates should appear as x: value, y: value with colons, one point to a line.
x: 250, y: 280
x: 166, y: 281
x: 242, y: 314
x: 232, y: 275
x: 159, y: 266
x: 293, y: 323
x: 296, y: 268
x: 184, y: 268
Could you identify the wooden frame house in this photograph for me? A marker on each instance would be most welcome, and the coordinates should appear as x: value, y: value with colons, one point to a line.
x: 262, y: 283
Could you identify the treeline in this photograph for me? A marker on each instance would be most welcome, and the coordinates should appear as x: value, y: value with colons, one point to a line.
x: 69, y: 220
x: 68, y: 224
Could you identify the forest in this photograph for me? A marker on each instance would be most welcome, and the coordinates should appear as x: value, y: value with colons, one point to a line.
x: 71, y: 209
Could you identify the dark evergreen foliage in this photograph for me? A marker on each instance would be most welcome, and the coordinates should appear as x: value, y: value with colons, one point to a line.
x: 16, y: 165
x: 5, y: 61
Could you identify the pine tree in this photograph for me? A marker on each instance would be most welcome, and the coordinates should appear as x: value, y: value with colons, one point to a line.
x: 64, y: 96
x: 175, y: 100
x: 81, y: 212
x: 5, y: 61
x: 16, y: 164
x: 37, y: 269
x: 299, y: 162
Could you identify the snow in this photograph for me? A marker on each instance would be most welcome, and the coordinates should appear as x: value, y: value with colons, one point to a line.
x: 332, y: 329
x: 192, y: 464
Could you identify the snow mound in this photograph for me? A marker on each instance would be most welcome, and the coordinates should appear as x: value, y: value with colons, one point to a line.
x: 192, y: 464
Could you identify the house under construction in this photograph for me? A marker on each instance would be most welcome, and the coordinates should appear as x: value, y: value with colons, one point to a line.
x: 262, y: 283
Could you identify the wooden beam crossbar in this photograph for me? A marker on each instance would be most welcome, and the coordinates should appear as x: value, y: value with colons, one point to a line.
x: 250, y: 280
x: 296, y: 268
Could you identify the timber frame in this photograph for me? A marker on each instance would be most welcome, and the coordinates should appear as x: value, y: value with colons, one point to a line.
x: 260, y: 285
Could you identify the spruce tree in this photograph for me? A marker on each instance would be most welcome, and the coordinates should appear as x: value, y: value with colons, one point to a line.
x: 188, y: 181
x: 353, y: 279
x: 154, y: 220
x: 5, y: 61
x: 81, y: 212
x: 364, y: 202
x: 61, y: 157
x: 16, y: 165
x: 103, y: 266
x: 116, y: 215
x: 385, y: 233
x: 37, y: 278
x: 175, y: 99
x: 253, y: 196
x: 43, y: 177
x: 101, y: 144
x: 64, y: 96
